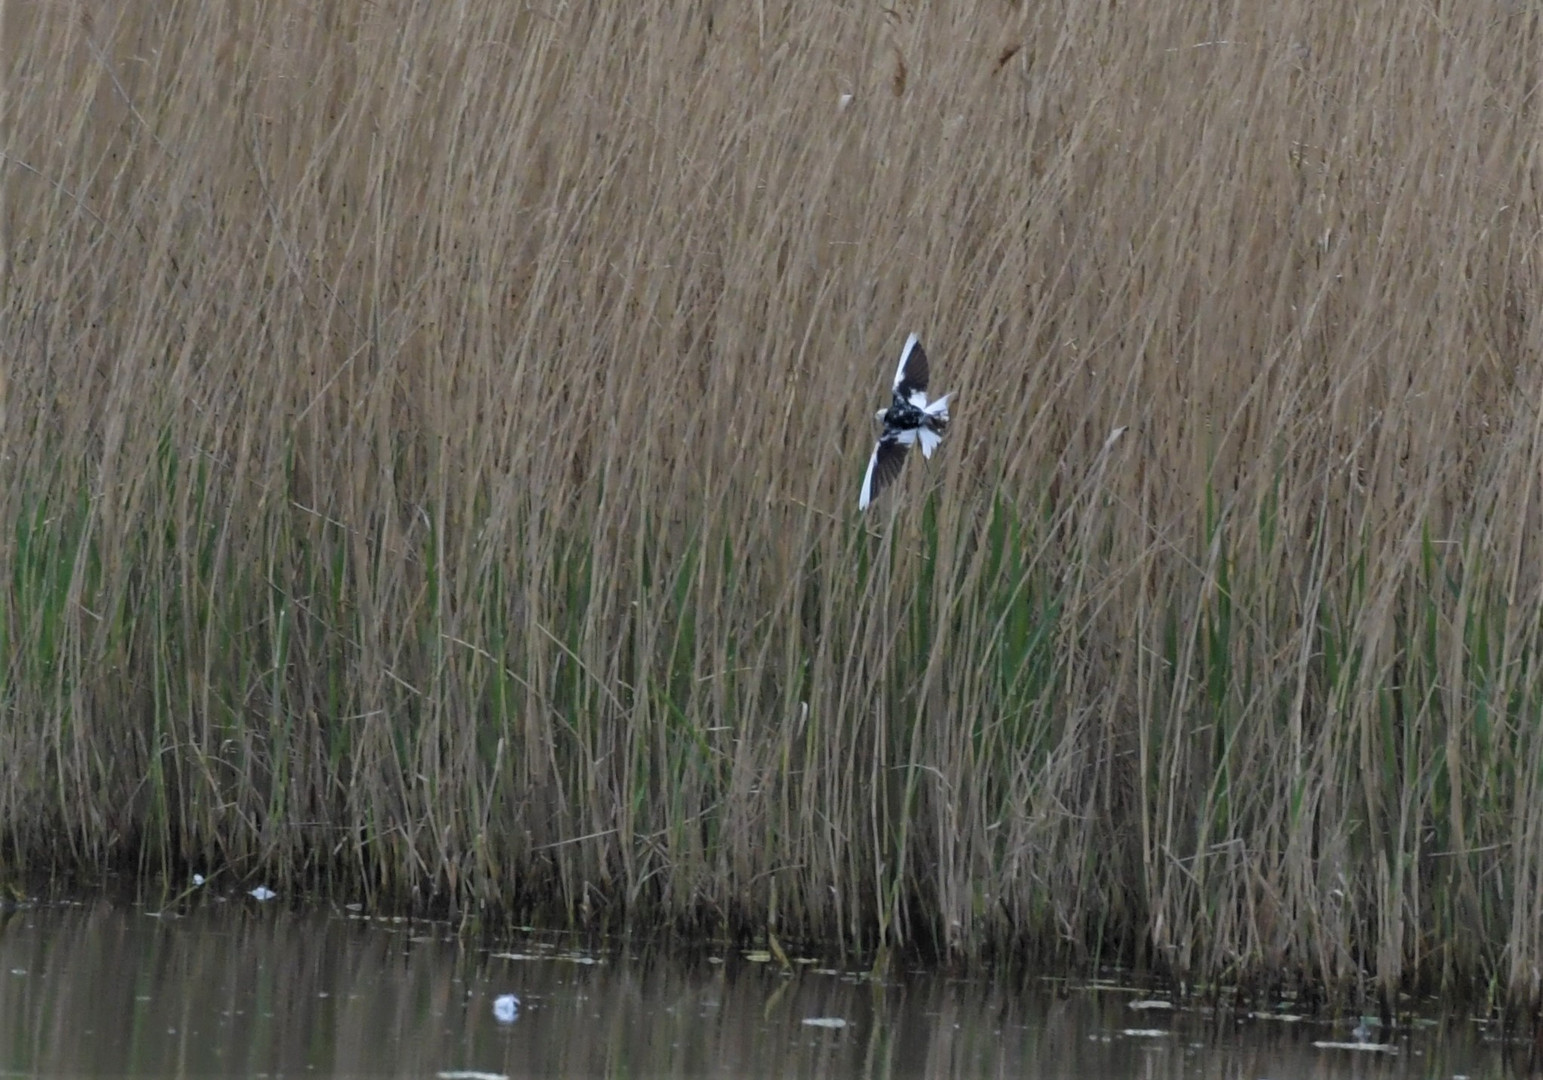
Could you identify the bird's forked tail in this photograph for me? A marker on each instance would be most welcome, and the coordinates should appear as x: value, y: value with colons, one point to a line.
x: 934, y: 423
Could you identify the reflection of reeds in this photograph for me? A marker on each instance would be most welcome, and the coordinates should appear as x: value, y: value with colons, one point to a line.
x: 431, y: 447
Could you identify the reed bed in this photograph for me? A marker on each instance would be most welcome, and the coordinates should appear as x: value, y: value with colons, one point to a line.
x: 432, y: 437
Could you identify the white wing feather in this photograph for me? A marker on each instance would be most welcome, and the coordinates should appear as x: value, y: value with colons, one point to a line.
x: 867, y: 495
x: 905, y: 354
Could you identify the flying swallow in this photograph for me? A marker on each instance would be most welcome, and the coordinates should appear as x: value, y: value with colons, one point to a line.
x: 910, y: 418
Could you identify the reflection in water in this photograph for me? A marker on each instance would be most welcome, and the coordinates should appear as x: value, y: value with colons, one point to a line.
x: 243, y: 988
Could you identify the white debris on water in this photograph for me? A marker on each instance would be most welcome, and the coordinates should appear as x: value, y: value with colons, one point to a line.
x: 1384, y: 1048
x: 262, y: 892
x: 198, y: 879
x: 470, y: 1074
x: 825, y: 1021
x: 506, y: 1008
x: 572, y: 958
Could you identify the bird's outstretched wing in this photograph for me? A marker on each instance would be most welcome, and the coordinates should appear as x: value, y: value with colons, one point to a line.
x: 885, y: 464
x: 911, y: 375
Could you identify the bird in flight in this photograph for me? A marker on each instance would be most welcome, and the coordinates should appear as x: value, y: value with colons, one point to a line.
x: 910, y: 418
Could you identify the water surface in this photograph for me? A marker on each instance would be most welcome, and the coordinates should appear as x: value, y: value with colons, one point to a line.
x: 243, y: 988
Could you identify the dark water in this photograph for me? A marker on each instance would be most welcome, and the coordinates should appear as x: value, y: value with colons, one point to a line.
x: 241, y: 988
